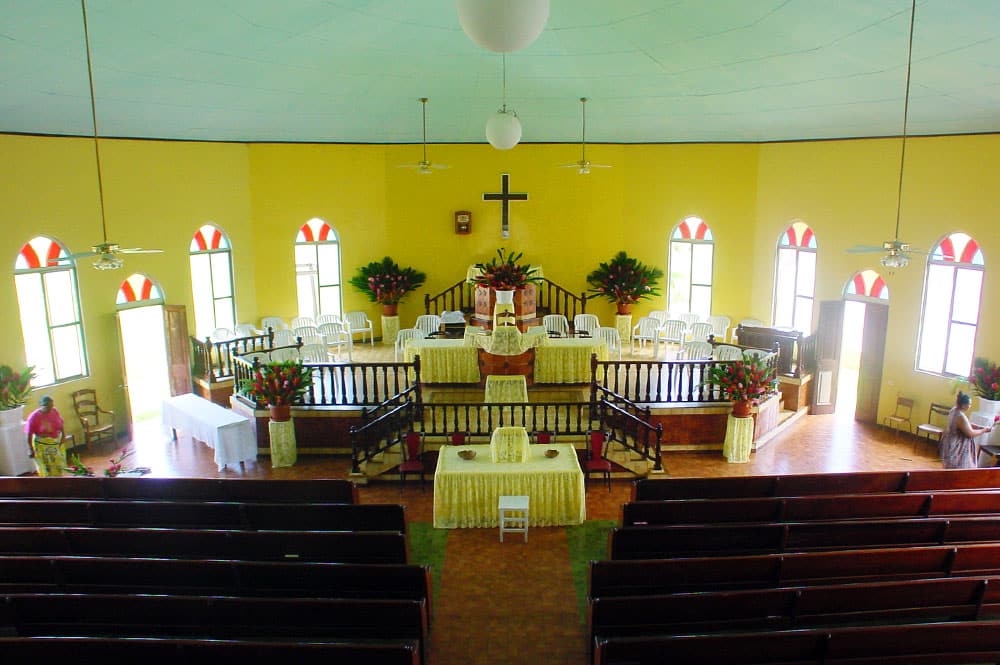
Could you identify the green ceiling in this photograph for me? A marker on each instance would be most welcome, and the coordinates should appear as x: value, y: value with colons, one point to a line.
x: 352, y: 70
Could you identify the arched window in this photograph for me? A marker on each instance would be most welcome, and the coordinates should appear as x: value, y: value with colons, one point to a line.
x: 138, y: 291
x: 692, y: 250
x: 867, y: 286
x: 212, y: 280
x: 49, y: 301
x: 953, y: 287
x: 795, y: 278
x: 317, y: 269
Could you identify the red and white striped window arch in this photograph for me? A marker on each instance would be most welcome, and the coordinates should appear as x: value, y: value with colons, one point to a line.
x: 867, y: 285
x: 317, y: 269
x: 795, y: 278
x: 212, y: 280
x: 692, y: 256
x: 138, y: 290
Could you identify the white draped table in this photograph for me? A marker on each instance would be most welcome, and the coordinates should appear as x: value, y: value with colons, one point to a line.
x: 233, y: 437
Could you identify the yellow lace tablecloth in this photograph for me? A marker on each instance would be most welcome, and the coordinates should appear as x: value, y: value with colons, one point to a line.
x: 507, y: 341
x: 739, y: 439
x: 466, y: 492
x: 509, y: 445
x: 444, y: 360
x: 283, y: 449
x: 513, y: 388
x: 567, y: 360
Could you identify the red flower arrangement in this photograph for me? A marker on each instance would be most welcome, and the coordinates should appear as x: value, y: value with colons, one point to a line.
x: 385, y: 282
x: 278, y: 383
x: 505, y: 273
x: 750, y: 379
x: 77, y: 468
x: 624, y: 280
x: 985, y: 379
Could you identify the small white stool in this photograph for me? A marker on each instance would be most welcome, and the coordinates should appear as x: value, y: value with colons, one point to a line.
x: 514, y: 515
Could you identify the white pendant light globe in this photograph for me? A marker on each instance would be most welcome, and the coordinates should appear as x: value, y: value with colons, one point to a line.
x: 503, y: 129
x: 502, y: 26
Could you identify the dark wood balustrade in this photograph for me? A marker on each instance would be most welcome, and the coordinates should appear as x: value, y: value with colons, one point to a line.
x: 628, y: 424
x: 550, y: 299
x: 213, y: 361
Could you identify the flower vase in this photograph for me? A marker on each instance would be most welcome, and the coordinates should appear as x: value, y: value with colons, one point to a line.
x: 280, y: 413
x: 624, y: 308
x: 742, y: 408
x: 13, y: 416
x: 389, y: 309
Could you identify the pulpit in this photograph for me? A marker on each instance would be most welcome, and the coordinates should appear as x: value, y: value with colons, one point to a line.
x: 524, y: 303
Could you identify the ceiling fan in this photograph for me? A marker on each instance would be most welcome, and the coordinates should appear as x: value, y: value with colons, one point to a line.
x: 108, y: 253
x: 897, y: 252
x: 583, y: 165
x: 424, y: 166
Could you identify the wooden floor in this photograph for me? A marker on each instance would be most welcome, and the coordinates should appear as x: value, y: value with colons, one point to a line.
x: 514, y: 602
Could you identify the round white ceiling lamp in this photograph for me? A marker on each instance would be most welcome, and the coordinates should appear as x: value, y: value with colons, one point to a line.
x: 503, y: 129
x: 502, y: 26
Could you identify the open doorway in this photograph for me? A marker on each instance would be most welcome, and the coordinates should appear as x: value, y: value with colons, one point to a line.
x: 850, y: 359
x: 143, y: 351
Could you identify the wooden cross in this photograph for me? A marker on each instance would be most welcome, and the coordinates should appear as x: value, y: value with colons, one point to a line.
x: 505, y: 197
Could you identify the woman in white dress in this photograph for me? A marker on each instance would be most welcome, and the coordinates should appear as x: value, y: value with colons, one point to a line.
x: 958, y: 445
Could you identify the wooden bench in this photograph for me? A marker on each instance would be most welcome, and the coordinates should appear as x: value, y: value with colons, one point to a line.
x: 928, y: 643
x: 202, y: 652
x: 786, y: 608
x: 211, y: 617
x: 651, y: 542
x: 329, y: 546
x: 74, y: 574
x: 182, y: 489
x: 657, y: 576
x: 810, y: 508
x: 811, y: 484
x: 205, y: 514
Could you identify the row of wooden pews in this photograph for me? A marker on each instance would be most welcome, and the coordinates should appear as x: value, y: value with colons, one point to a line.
x: 206, y: 569
x: 825, y: 568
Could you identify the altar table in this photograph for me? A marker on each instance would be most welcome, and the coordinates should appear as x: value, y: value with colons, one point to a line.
x: 233, y: 437
x: 567, y: 360
x: 466, y: 492
x: 444, y: 360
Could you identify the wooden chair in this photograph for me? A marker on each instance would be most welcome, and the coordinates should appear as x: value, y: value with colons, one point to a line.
x: 95, y: 428
x: 595, y: 456
x: 901, y: 415
x: 413, y: 461
x: 933, y: 427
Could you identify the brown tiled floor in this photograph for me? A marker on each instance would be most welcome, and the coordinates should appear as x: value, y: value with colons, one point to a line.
x: 514, y: 602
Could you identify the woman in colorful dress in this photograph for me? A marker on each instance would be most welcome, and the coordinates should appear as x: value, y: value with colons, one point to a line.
x: 45, y: 437
x: 958, y: 445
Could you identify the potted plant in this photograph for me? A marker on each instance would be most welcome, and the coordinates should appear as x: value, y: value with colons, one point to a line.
x: 504, y: 273
x: 15, y: 388
x: 624, y: 280
x: 277, y: 385
x: 386, y: 283
x: 985, y: 382
x: 745, y: 382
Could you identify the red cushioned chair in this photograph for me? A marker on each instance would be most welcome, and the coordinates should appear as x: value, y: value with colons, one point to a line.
x: 595, y: 456
x: 412, y: 457
x: 459, y: 438
x: 544, y: 438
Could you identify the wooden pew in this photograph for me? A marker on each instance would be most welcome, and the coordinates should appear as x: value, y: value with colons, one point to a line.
x: 945, y: 643
x: 71, y: 574
x: 652, y: 542
x: 212, y: 617
x: 206, y: 652
x: 812, y: 484
x: 213, y: 515
x: 182, y: 489
x: 328, y: 546
x: 657, y: 576
x: 785, y: 608
x: 810, y: 508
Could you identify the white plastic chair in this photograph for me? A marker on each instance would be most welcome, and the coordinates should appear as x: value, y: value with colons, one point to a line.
x: 314, y: 339
x: 689, y: 318
x: 556, y: 323
x: 726, y: 352
x: 587, y: 323
x: 429, y: 323
x: 660, y: 315
x: 336, y: 334
x: 755, y: 353
x: 404, y: 336
x: 752, y: 323
x: 612, y: 338
x: 327, y: 318
x: 283, y: 337
x: 720, y: 326
x: 302, y: 321
x: 695, y: 351
x: 647, y: 330
x: 314, y: 353
x: 245, y: 330
x: 275, y: 322
x: 673, y: 331
x: 306, y: 332
x: 699, y: 332
x: 358, y: 322
x: 281, y: 355
x: 222, y: 334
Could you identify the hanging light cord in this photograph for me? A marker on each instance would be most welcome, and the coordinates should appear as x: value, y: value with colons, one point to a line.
x: 503, y: 59
x: 906, y: 109
x: 583, y: 135
x: 423, y: 102
x: 93, y: 116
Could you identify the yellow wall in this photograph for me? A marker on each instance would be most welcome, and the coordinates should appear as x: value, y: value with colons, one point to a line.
x: 158, y: 193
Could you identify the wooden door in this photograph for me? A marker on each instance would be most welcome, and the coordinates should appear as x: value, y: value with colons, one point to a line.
x: 175, y: 330
x: 870, y: 369
x: 829, y: 332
